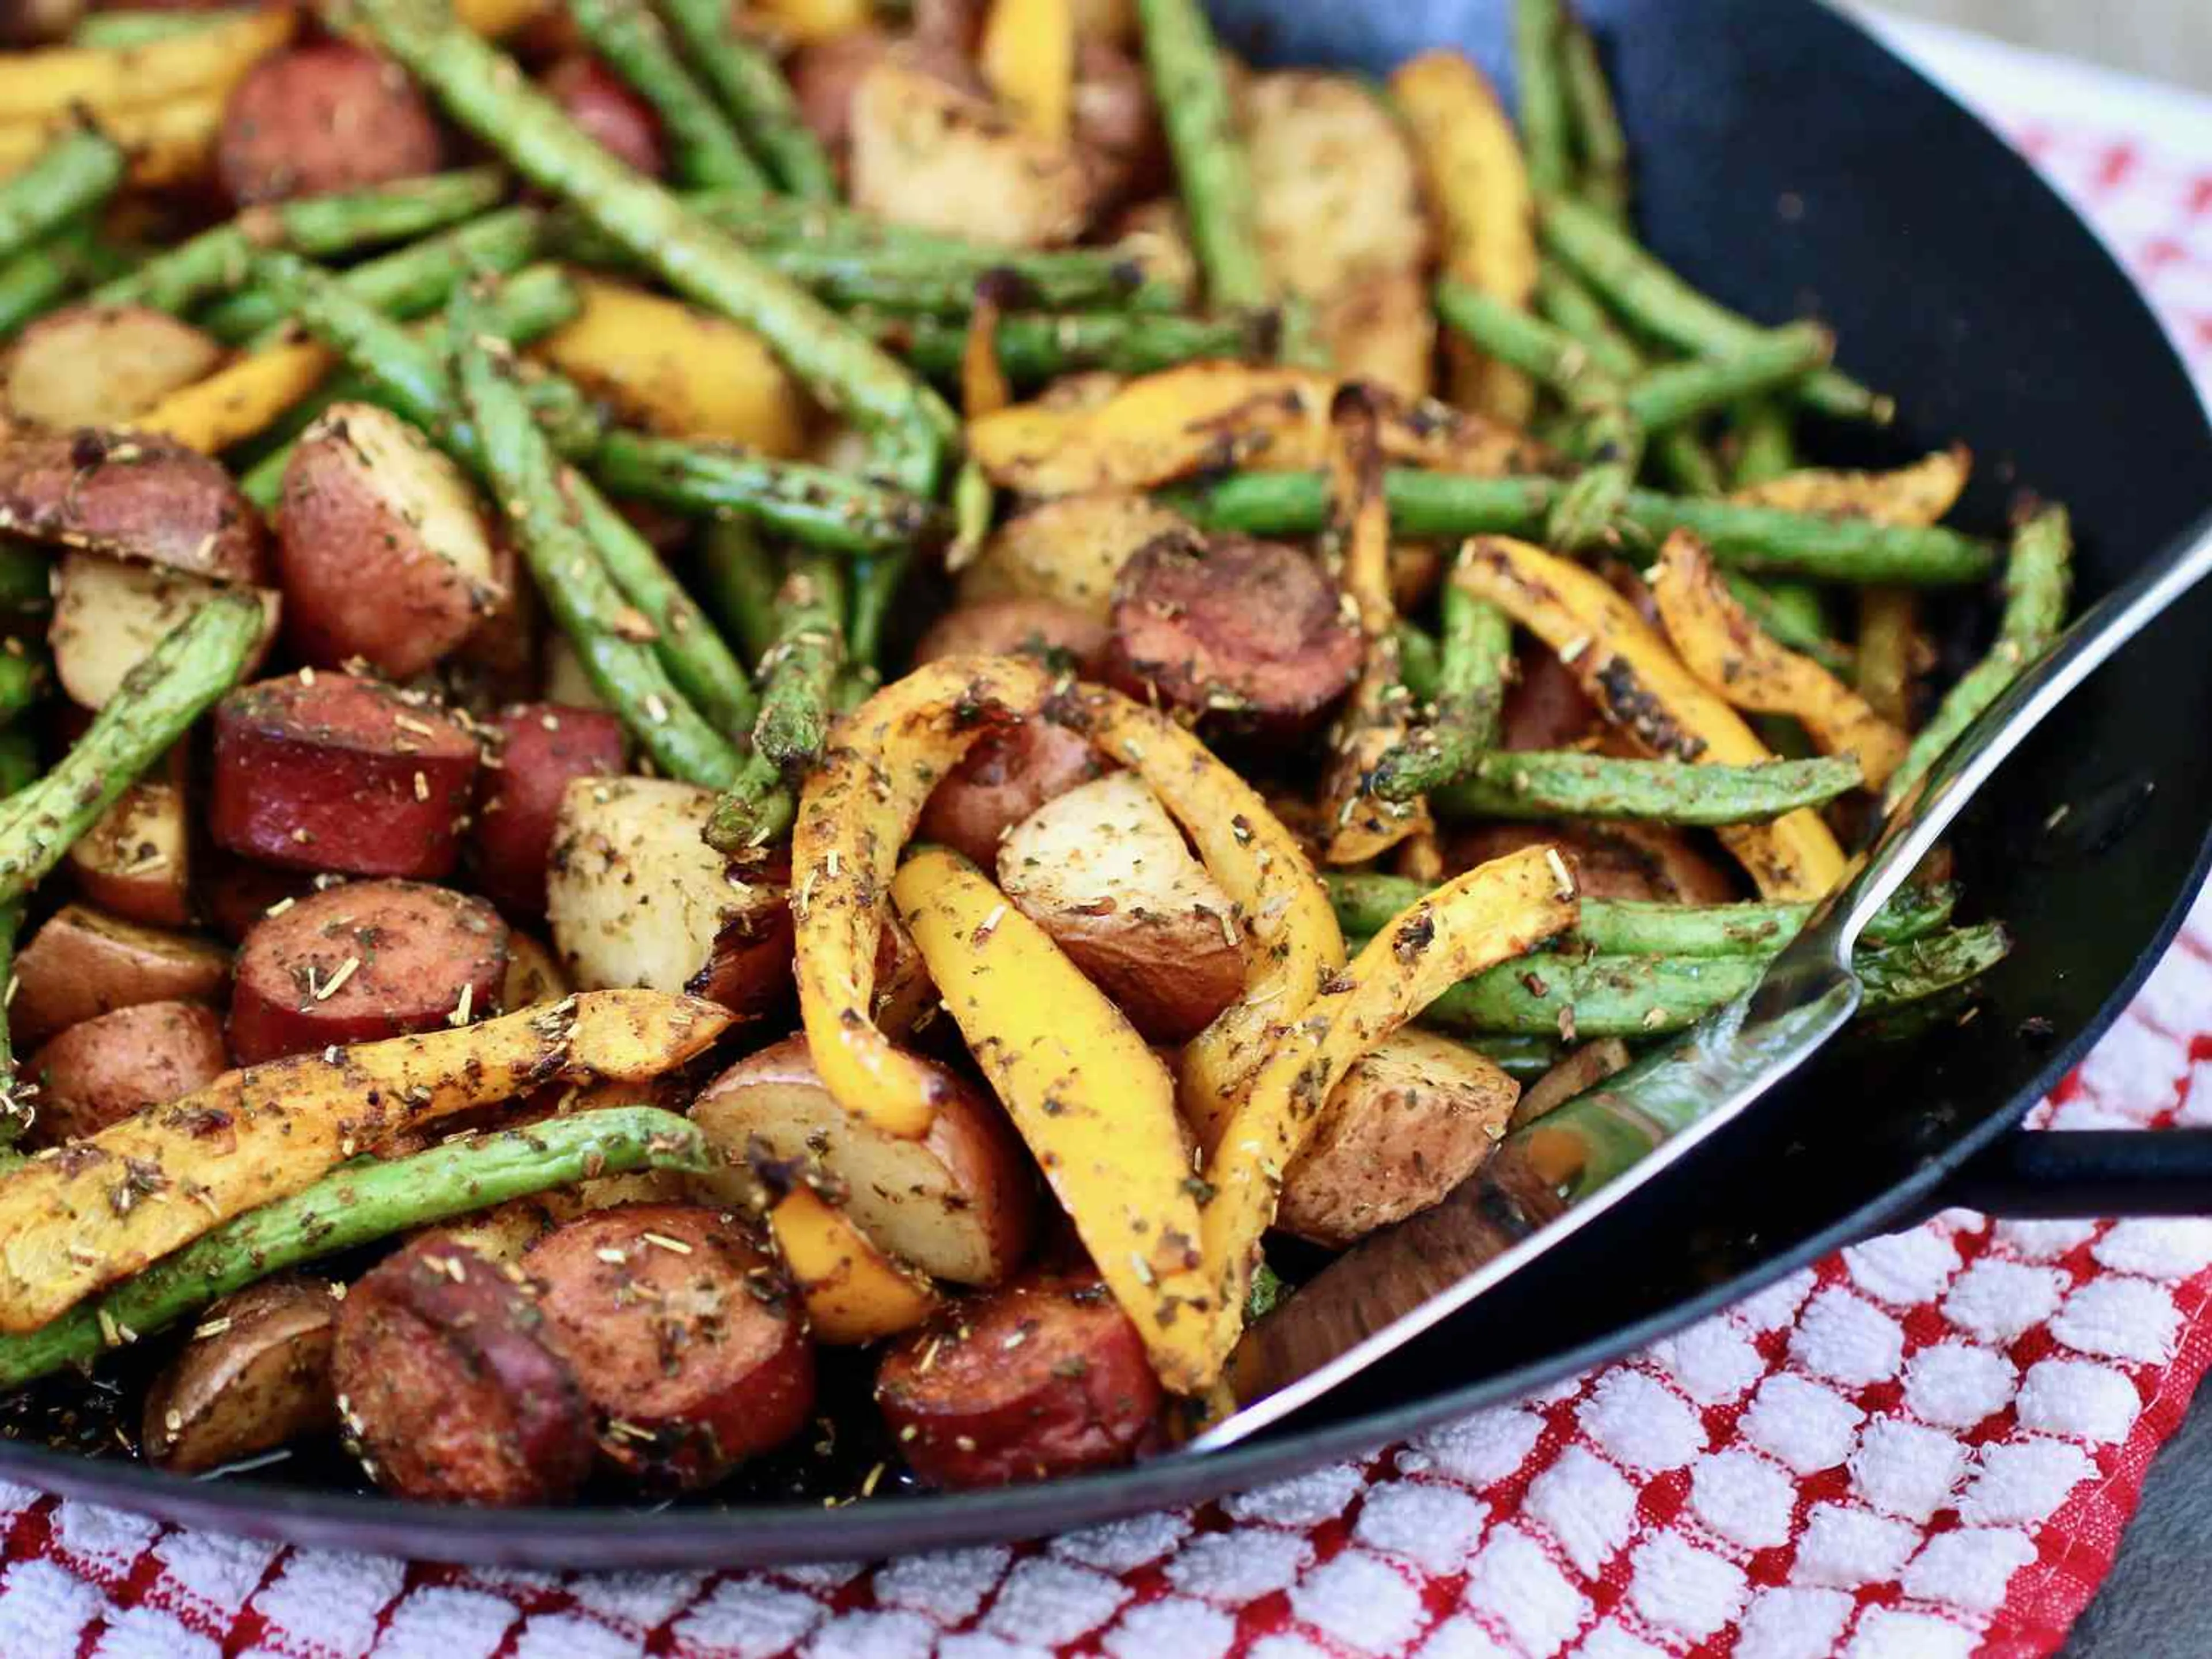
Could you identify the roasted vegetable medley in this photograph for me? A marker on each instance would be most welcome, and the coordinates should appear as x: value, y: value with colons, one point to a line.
x: 712, y: 710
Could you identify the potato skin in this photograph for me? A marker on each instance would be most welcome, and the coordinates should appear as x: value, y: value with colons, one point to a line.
x: 82, y: 963
x: 1117, y: 126
x: 137, y: 861
x: 1335, y: 184
x: 541, y: 749
x: 929, y: 155
x: 135, y: 497
x: 449, y: 1387
x: 1071, y: 549
x: 322, y: 117
x: 380, y: 547
x: 419, y: 954
x: 102, y: 1070
x: 601, y: 102
x: 1003, y: 778
x: 339, y: 773
x: 1044, y: 1377
x: 1031, y: 626
x: 263, y: 1380
x: 684, y: 1338
x: 88, y: 365
x: 825, y: 74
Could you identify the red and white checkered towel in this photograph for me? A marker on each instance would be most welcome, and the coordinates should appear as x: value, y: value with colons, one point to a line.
x: 1926, y: 1446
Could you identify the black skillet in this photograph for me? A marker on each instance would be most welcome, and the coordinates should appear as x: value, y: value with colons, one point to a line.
x: 1789, y: 164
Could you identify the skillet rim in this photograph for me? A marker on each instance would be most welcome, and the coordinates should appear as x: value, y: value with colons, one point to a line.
x: 618, y: 1537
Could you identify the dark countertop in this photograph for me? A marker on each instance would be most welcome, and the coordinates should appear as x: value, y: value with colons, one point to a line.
x: 2158, y: 1601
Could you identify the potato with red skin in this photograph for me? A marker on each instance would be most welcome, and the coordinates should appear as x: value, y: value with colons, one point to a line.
x: 110, y: 614
x: 82, y: 963
x: 1030, y: 626
x: 1544, y: 707
x: 1003, y: 778
x: 137, y: 860
x: 1117, y: 130
x: 826, y: 74
x: 132, y: 496
x: 362, y: 962
x: 381, y: 546
x: 1045, y: 1378
x: 95, y: 365
x: 540, y: 748
x: 259, y: 1378
x: 102, y: 1070
x: 1640, y: 861
x: 335, y: 772
x: 1250, y: 634
x: 321, y: 117
x: 447, y: 1385
x: 684, y: 1337
x: 601, y: 103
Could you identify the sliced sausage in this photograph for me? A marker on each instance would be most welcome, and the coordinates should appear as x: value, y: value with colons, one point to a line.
x: 447, y: 1388
x: 132, y: 496
x: 370, y: 959
x: 1045, y: 1378
x: 333, y: 772
x: 1249, y: 632
x: 539, y: 748
x: 323, y: 116
x: 260, y: 1376
x: 1002, y: 779
x: 1032, y: 627
x: 684, y: 1335
x: 601, y: 103
x: 82, y: 963
x: 234, y: 893
x: 102, y: 1070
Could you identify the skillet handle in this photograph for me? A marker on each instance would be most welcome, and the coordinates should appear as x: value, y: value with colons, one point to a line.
x: 2079, y: 1173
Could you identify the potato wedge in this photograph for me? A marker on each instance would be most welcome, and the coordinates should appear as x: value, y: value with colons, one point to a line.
x: 1069, y: 551
x: 89, y: 365
x: 1103, y: 869
x: 135, y: 498
x: 258, y: 1378
x: 110, y: 613
x: 634, y: 896
x: 206, y: 62
x: 927, y: 155
x: 136, y: 862
x: 102, y: 1070
x: 958, y: 1203
x: 75, y: 1224
x: 1409, y: 1123
x: 853, y: 1292
x: 1095, y: 1104
x: 533, y: 976
x: 82, y: 963
x: 1334, y: 184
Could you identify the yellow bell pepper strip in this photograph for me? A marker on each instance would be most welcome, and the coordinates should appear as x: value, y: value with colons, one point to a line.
x: 1478, y: 188
x: 1628, y: 671
x: 855, y: 811
x: 242, y: 399
x: 803, y: 22
x: 164, y: 143
x: 1095, y: 1105
x: 496, y: 19
x: 1922, y: 493
x: 1028, y: 57
x: 1216, y: 417
x: 1362, y: 825
x: 852, y: 1291
x: 206, y: 62
x: 983, y: 386
x: 1292, y: 943
x: 70, y: 1224
x: 1717, y: 639
x: 1491, y: 913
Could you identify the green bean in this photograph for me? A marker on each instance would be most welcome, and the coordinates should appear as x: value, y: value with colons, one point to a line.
x: 1662, y: 304
x: 34, y: 280
x: 1548, y: 354
x: 1587, y: 510
x: 2038, y: 576
x: 26, y: 577
x: 1475, y: 656
x: 217, y: 260
x: 1765, y: 440
x: 1033, y: 348
x: 25, y: 673
x: 121, y: 31
x: 16, y: 1112
x: 193, y: 664
x: 71, y: 176
x: 800, y: 669
x: 1539, y: 70
x: 486, y: 93
x: 356, y: 1205
x: 1569, y: 784
x: 754, y: 811
x: 704, y: 148
x: 1790, y: 613
x: 753, y: 89
x: 1676, y: 392
x: 1681, y: 456
x: 876, y: 584
x: 1521, y: 1058
x: 740, y: 575
x: 1603, y: 179
x: 1192, y: 96
x: 1419, y: 668
x: 18, y: 762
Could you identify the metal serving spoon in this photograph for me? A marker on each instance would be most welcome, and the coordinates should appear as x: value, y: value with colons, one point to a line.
x: 1549, y: 1180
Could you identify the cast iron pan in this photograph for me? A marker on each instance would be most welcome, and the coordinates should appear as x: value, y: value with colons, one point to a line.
x: 1789, y: 165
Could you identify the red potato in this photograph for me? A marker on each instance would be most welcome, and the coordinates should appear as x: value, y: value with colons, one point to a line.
x: 333, y: 772
x: 684, y: 1337
x: 380, y: 547
x: 1545, y: 708
x: 825, y: 74
x: 541, y: 748
x: 370, y: 959
x: 499, y: 660
x: 1609, y: 860
x: 1117, y: 126
x: 1004, y: 779
x: 958, y: 1203
x: 447, y: 1386
x: 259, y: 1378
x: 601, y: 102
x: 1042, y: 1378
x: 82, y: 963
x: 1249, y: 633
x: 1030, y: 626
x: 109, y: 614
x: 133, y: 497
x: 88, y: 365
x: 322, y: 117
x: 137, y: 861
x: 102, y: 1070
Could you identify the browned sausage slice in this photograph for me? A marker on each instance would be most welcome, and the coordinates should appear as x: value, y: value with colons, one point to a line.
x: 447, y: 1388
x: 102, y: 1070
x: 541, y: 747
x: 1043, y: 1378
x: 323, y: 116
x: 332, y: 772
x: 684, y: 1335
x: 1249, y: 632
x: 132, y: 496
x: 367, y: 960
